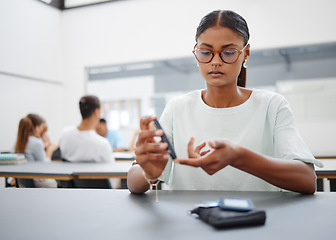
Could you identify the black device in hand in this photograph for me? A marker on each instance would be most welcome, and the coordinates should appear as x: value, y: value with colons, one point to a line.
x: 165, y: 139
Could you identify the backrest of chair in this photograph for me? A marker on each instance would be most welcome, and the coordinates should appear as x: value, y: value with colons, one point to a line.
x: 92, y: 183
x: 86, y: 183
x: 26, y: 183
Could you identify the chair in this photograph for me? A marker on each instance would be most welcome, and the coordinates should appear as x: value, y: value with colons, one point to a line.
x: 332, y: 185
x: 92, y: 183
x: 84, y: 183
x: 56, y: 154
x: 24, y: 182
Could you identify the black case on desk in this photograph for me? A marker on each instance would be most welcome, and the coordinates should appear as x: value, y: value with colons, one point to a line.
x: 227, y: 219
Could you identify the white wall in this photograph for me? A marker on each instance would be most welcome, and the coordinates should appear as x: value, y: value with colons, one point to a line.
x: 19, y: 97
x: 30, y: 39
x: 34, y: 35
x: 30, y: 66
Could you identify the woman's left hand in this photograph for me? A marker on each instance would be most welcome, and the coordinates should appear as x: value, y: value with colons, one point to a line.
x: 224, y: 153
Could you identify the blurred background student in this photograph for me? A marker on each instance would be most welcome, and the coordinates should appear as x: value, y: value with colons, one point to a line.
x: 29, y: 142
x: 43, y: 133
x: 113, y: 136
x: 82, y: 143
x: 46, y: 140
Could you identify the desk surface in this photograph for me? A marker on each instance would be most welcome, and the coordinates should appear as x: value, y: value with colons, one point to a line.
x: 66, y: 171
x: 119, y: 169
x: 118, y: 214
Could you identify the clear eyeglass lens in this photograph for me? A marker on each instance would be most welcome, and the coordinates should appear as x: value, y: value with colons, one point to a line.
x: 228, y: 56
x: 204, y: 55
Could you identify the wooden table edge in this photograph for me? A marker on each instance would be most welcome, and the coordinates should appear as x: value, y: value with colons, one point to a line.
x: 30, y: 176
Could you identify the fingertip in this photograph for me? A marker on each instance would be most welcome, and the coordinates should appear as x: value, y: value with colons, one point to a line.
x: 164, y: 145
x: 158, y: 132
x: 176, y: 160
x: 211, y: 143
x: 152, y: 117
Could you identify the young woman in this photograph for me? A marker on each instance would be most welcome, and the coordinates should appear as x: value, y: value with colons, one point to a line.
x: 29, y: 139
x: 245, y: 139
x: 29, y: 142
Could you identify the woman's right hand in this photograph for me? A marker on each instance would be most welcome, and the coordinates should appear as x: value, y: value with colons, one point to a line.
x: 50, y: 149
x: 152, y: 156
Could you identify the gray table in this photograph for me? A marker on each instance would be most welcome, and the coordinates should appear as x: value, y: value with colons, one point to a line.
x: 66, y: 170
x: 117, y: 214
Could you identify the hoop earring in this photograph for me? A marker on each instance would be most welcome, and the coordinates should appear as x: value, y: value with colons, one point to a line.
x: 245, y: 64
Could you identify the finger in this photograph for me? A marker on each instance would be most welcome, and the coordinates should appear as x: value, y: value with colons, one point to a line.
x: 191, y: 144
x: 217, y: 143
x: 144, y: 159
x: 191, y: 151
x: 199, y: 147
x: 145, y: 122
x: 155, y: 148
x: 148, y: 136
x: 205, y: 152
x: 189, y: 162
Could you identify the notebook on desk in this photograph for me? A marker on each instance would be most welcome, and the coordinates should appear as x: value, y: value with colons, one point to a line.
x: 12, y: 158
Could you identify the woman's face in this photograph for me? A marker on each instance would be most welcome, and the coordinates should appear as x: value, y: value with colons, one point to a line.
x: 39, y: 130
x: 217, y: 72
x: 44, y: 127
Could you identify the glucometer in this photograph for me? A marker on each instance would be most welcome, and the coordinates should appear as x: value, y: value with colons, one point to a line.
x: 236, y: 204
x: 165, y: 139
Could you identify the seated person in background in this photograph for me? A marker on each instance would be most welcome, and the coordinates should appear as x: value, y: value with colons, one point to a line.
x: 114, y: 137
x: 82, y: 143
x: 44, y: 135
x: 29, y: 142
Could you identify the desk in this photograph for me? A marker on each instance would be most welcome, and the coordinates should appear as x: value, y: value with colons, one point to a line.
x: 119, y: 169
x: 117, y: 214
x: 329, y: 169
x: 66, y: 171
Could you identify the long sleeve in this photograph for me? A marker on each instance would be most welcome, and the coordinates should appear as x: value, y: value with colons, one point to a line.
x: 35, y: 150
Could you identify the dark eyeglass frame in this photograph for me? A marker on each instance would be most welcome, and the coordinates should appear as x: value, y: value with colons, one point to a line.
x: 220, y: 54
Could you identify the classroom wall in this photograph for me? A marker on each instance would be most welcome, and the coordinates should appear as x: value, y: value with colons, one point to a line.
x: 55, y: 46
x: 30, y: 67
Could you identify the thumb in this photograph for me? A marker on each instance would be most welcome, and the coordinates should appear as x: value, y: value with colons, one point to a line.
x: 217, y: 143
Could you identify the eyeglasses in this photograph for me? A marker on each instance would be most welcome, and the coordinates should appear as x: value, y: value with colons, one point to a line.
x: 229, y: 55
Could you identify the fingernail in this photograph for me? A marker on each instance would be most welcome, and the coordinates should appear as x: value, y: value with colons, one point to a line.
x: 158, y: 132
x: 163, y: 145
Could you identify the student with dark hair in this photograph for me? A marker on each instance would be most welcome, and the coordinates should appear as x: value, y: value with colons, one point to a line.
x: 113, y: 136
x: 82, y: 143
x: 226, y: 137
x: 29, y: 142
